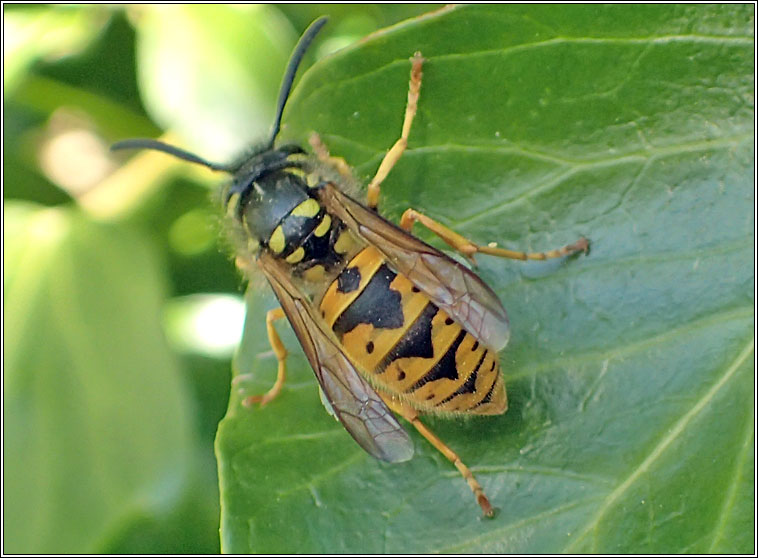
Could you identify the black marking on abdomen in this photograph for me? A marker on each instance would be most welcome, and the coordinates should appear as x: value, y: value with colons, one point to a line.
x: 417, y: 341
x: 349, y: 280
x: 378, y: 305
x: 469, y: 386
x: 488, y: 397
x: 445, y: 367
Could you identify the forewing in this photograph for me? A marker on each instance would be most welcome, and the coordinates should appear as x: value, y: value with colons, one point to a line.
x: 451, y: 285
x: 355, y: 403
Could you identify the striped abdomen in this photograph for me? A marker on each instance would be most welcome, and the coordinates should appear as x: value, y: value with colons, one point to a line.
x: 406, y: 344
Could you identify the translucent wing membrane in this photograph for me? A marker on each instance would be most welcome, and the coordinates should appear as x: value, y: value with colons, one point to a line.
x: 451, y: 285
x: 355, y: 403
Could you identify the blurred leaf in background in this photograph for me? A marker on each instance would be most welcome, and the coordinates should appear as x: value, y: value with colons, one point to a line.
x: 113, y: 279
x: 629, y: 371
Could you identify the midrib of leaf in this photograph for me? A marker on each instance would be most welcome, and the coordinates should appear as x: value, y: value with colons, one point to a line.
x: 659, y: 449
x: 638, y: 155
x: 644, y: 156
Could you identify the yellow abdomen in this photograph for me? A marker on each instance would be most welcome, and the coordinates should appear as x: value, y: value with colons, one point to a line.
x: 407, y: 346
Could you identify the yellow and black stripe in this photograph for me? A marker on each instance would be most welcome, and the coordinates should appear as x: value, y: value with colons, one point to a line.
x: 307, y: 238
x: 406, y: 343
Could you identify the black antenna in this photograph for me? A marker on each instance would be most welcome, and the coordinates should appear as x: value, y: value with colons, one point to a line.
x: 144, y: 143
x: 284, y: 91
x: 289, y: 74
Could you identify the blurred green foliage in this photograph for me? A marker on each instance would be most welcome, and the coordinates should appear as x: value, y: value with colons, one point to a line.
x: 108, y: 428
x: 631, y: 420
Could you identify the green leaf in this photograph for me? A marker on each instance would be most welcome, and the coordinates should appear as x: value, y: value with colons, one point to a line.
x: 629, y: 370
x: 96, y: 421
x: 36, y: 32
x: 210, y: 73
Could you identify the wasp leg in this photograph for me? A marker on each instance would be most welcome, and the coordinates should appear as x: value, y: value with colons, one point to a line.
x: 321, y: 151
x: 410, y: 414
x: 468, y: 248
x: 281, y: 356
x: 394, y: 154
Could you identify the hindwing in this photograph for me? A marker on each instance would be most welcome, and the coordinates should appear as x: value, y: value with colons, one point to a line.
x: 355, y: 403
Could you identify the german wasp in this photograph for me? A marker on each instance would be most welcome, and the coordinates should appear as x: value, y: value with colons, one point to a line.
x: 388, y: 323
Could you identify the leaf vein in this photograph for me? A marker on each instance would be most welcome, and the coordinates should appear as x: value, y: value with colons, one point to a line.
x: 497, y: 534
x: 310, y: 484
x: 636, y: 346
x: 664, y: 39
x: 665, y: 442
x: 635, y: 260
x: 736, y: 477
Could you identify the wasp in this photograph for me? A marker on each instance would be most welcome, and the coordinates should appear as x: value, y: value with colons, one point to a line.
x: 389, y: 324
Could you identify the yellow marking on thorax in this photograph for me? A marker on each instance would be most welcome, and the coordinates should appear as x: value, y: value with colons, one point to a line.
x: 315, y: 274
x: 323, y: 226
x: 313, y: 180
x: 277, y: 241
x: 346, y: 243
x: 334, y: 302
x: 363, y: 337
x: 308, y: 208
x: 402, y: 373
x: 295, y: 256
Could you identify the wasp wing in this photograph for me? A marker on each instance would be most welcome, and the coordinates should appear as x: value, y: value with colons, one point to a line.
x: 357, y: 406
x: 451, y: 285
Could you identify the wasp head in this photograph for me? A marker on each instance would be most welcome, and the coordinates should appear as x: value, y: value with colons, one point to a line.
x: 264, y: 186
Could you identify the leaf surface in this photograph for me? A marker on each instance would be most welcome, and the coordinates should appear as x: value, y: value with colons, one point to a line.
x: 95, y: 415
x: 629, y: 370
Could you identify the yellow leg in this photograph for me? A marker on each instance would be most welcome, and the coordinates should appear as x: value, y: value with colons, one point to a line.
x: 321, y: 151
x: 410, y: 414
x: 394, y: 154
x: 281, y: 356
x: 468, y: 248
